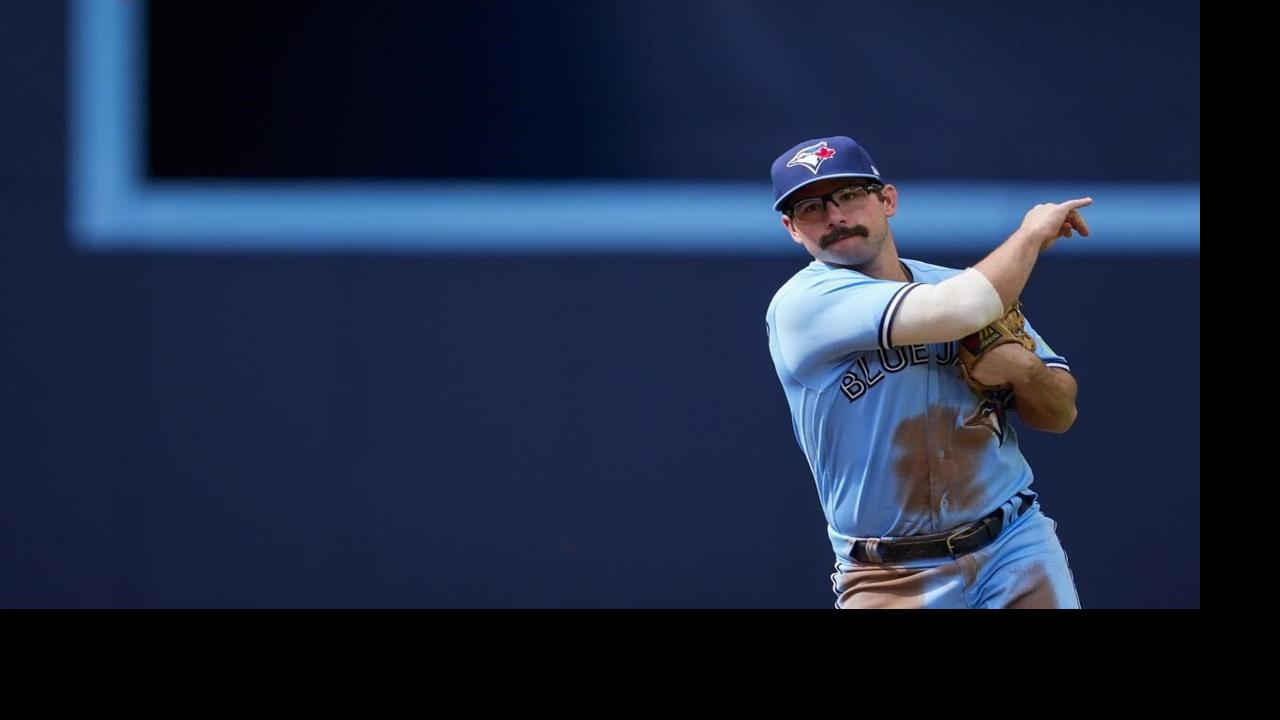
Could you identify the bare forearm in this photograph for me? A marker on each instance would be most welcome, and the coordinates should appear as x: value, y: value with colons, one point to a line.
x: 1008, y: 267
x: 965, y: 303
x: 1046, y: 398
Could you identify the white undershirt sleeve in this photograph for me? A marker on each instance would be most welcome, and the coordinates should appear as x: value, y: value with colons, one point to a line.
x: 950, y: 310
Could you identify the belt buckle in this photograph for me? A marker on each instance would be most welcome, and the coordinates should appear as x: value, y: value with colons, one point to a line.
x: 959, y: 533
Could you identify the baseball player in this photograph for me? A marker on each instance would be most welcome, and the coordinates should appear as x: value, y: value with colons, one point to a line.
x: 900, y: 376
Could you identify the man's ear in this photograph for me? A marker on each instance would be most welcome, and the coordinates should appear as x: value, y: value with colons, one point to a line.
x: 791, y: 229
x: 889, y: 198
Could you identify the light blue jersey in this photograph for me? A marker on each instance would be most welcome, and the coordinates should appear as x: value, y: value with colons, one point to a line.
x: 897, y: 442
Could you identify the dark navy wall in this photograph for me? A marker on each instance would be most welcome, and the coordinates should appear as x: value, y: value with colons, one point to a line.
x: 1052, y: 90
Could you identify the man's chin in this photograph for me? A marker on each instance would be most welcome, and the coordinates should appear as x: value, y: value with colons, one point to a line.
x: 846, y: 253
x: 853, y: 250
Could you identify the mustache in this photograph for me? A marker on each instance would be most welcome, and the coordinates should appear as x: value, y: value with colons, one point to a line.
x: 843, y: 232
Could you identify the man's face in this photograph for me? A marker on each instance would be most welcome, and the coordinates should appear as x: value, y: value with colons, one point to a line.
x: 852, y: 233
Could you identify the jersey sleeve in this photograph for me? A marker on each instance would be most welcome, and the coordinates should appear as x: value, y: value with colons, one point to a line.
x: 1044, y: 351
x: 822, y: 322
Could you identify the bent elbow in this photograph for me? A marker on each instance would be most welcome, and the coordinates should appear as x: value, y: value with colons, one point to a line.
x: 1067, y: 420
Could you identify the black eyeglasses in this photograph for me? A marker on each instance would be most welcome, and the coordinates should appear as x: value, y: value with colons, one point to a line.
x: 814, y: 209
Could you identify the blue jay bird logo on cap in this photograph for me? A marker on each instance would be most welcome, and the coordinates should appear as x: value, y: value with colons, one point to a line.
x: 813, y: 156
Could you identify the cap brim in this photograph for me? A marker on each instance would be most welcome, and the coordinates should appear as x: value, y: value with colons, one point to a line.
x: 783, y: 200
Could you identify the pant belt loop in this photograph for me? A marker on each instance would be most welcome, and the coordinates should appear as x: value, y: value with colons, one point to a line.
x: 873, y: 552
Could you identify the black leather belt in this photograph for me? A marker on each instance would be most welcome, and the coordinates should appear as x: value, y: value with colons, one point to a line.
x: 953, y: 543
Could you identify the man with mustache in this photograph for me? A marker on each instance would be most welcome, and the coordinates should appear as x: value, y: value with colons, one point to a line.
x: 926, y: 495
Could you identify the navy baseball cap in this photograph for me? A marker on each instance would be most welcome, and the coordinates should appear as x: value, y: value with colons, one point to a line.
x: 820, y: 159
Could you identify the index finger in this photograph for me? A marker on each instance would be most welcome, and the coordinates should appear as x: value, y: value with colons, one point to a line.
x: 1077, y: 221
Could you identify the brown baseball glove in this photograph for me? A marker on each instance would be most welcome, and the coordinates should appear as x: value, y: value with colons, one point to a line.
x: 971, y: 348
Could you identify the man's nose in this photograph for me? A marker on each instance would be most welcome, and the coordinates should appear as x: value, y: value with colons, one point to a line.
x: 833, y: 211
